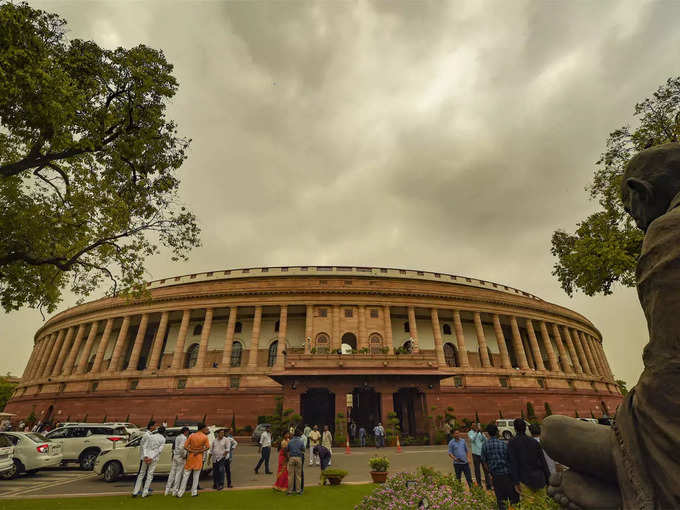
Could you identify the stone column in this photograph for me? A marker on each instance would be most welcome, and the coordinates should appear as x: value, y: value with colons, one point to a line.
x: 70, y: 365
x: 572, y: 351
x: 82, y: 362
x: 413, y: 328
x: 55, y: 353
x: 63, y: 352
x: 283, y: 330
x: 335, y: 336
x: 538, y: 357
x: 589, y: 355
x: 49, y: 345
x: 552, y: 359
x: 29, y: 365
x: 481, y: 341
x: 363, y: 336
x: 579, y: 350
x: 598, y: 359
x: 255, y: 337
x: 386, y: 405
x: 178, y: 355
x: 205, y: 336
x: 460, y: 340
x: 42, y: 357
x: 500, y: 340
x: 438, y: 345
x: 388, y: 330
x: 117, y: 355
x: 605, y: 361
x: 157, y: 345
x: 309, y: 324
x: 517, y: 344
x: 229, y: 338
x: 103, y: 344
x: 139, y: 342
x: 566, y: 367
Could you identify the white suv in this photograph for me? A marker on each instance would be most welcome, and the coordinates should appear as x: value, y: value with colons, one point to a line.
x: 33, y: 451
x: 6, y: 462
x: 506, y: 429
x: 82, y: 442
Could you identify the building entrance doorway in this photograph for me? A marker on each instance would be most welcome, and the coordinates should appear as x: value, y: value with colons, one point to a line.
x: 317, y: 407
x: 365, y: 408
x: 408, y: 404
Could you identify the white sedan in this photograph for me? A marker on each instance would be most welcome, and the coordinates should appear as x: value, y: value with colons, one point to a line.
x: 33, y: 451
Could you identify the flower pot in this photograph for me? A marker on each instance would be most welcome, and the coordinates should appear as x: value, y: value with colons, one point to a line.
x: 379, y: 476
x: 334, y: 480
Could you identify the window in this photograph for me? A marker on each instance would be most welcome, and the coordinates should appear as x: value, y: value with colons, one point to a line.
x: 72, y: 432
x: 276, y: 327
x: 571, y: 384
x: 348, y: 312
x: 6, y: 441
x: 375, y: 344
x: 374, y: 313
x: 407, y: 329
x: 234, y: 382
x: 238, y: 327
x: 236, y: 354
x: 322, y: 343
x: 134, y: 383
x: 446, y: 329
x: 504, y: 382
x: 458, y: 381
x: 93, y: 386
x: 58, y: 433
x: 348, y: 282
x: 323, y: 312
x: 191, y: 357
x: 198, y: 329
x: 450, y: 355
x: 271, y: 358
x: 541, y: 382
x: 181, y: 383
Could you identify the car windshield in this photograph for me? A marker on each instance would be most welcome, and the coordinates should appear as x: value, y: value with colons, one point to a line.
x: 36, y: 438
x: 134, y: 442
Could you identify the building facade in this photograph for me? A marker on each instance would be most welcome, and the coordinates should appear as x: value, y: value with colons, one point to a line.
x: 354, y: 340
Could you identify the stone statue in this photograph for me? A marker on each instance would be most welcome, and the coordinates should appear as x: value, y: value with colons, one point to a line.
x: 636, y: 463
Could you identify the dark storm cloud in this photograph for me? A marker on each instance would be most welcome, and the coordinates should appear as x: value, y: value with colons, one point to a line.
x: 451, y: 136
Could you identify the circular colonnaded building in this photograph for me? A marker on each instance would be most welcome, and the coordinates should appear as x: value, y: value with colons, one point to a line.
x: 359, y: 340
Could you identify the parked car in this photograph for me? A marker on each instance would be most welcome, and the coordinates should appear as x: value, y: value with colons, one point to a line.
x: 124, y: 460
x: 7, y: 469
x: 258, y: 432
x: 33, y: 451
x: 82, y: 442
x: 506, y: 430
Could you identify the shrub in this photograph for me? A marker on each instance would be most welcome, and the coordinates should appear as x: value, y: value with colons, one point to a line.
x: 531, y: 414
x: 548, y: 411
x: 379, y: 463
x: 332, y: 473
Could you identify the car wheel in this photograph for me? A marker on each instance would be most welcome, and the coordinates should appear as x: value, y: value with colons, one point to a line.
x: 10, y: 473
x: 507, y: 434
x: 112, y: 471
x: 87, y: 459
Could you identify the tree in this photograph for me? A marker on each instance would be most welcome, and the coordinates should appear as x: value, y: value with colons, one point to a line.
x: 6, y: 389
x: 548, y: 411
x: 604, y: 249
x: 623, y: 386
x: 88, y: 163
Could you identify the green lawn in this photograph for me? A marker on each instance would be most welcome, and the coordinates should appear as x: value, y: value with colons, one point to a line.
x: 340, y: 497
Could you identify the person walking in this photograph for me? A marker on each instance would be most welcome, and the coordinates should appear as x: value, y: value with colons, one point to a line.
x: 535, y: 430
x: 234, y: 444
x: 179, y: 456
x: 353, y: 431
x: 495, y: 458
x: 219, y: 451
x: 379, y: 433
x: 528, y: 467
x: 362, y: 436
x: 477, y: 440
x: 314, y: 440
x: 327, y: 440
x: 296, y: 455
x: 150, y: 452
x: 196, y: 445
x: 265, y: 450
x: 458, y: 452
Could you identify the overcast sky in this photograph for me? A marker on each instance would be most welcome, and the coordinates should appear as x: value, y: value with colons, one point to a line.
x: 444, y: 136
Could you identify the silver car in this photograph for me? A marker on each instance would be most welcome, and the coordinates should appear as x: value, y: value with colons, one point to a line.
x: 33, y: 451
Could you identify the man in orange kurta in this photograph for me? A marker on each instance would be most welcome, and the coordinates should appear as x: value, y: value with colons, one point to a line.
x: 196, y: 445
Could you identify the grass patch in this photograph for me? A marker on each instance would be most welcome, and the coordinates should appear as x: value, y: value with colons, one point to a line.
x: 341, y: 496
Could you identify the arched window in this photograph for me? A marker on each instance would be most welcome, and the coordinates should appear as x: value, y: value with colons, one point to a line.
x: 450, y: 355
x: 198, y: 329
x: 273, y: 348
x: 375, y: 343
x: 191, y: 356
x: 276, y: 327
x: 238, y: 327
x: 406, y: 327
x: 349, y: 339
x: 446, y: 329
x: 322, y: 343
x: 236, y: 354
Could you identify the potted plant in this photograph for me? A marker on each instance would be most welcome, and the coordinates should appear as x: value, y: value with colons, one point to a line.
x: 333, y: 475
x: 379, y: 466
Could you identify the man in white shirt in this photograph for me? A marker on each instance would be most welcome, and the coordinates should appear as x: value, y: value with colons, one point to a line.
x: 265, y: 450
x: 179, y: 456
x: 221, y: 451
x: 150, y: 450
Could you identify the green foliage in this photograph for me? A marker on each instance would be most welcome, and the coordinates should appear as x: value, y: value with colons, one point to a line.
x: 6, y: 389
x: 378, y: 463
x: 340, y: 429
x: 623, y: 386
x: 548, y: 411
x: 500, y: 414
x: 606, y: 245
x: 333, y: 473
x: 233, y: 422
x: 467, y: 423
x: 363, y: 350
x: 31, y: 419
x: 531, y: 414
x: 88, y: 163
x: 392, y: 428
x: 576, y: 415
x: 476, y: 417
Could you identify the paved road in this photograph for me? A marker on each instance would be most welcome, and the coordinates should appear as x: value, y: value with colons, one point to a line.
x: 70, y: 481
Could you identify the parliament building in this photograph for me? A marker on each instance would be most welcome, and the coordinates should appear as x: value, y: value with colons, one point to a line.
x: 362, y: 341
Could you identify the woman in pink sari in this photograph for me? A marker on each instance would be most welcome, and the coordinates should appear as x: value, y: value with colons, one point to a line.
x: 282, y: 472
